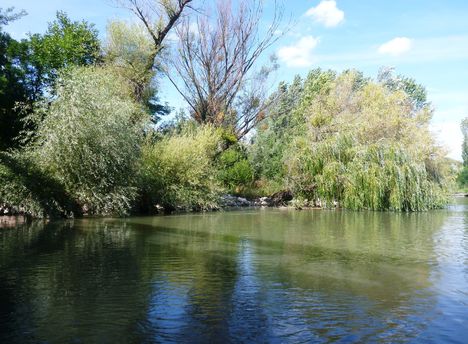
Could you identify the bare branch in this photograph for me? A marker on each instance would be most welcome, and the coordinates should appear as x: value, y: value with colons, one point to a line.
x: 216, y: 60
x: 158, y: 17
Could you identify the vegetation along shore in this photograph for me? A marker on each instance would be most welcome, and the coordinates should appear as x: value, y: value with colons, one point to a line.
x: 83, y: 131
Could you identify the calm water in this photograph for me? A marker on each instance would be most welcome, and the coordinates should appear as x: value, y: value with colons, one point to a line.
x: 276, y: 276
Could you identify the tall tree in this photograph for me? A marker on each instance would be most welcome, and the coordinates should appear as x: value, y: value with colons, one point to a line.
x: 216, y: 65
x: 134, y: 49
x: 30, y: 67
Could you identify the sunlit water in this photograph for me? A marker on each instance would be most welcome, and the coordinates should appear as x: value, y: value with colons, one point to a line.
x: 263, y: 276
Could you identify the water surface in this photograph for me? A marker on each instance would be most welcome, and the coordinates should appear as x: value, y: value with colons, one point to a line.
x: 277, y: 276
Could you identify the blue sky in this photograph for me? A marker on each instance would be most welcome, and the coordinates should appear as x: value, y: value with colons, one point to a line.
x: 423, y: 39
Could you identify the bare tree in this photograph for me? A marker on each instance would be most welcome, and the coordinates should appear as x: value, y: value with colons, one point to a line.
x: 215, y: 65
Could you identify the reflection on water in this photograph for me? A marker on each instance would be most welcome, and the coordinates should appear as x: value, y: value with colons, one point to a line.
x: 251, y: 276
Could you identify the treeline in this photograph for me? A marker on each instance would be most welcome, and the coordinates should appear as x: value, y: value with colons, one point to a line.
x: 81, y: 129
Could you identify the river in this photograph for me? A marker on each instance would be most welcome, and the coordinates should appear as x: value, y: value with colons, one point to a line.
x: 250, y: 276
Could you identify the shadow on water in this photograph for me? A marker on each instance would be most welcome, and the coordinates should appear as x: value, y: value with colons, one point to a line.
x: 250, y: 276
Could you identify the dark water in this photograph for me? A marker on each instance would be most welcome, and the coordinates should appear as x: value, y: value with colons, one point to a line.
x: 263, y: 276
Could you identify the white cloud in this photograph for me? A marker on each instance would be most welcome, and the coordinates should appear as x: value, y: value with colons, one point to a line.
x: 299, y: 54
x: 396, y: 46
x: 326, y: 13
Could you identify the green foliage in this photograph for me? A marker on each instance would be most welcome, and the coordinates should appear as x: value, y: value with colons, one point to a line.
x: 275, y: 133
x: 347, y: 139
x: 30, y: 67
x: 28, y: 189
x: 464, y: 130
x: 90, y: 139
x: 130, y: 50
x: 65, y: 44
x: 178, y: 171
x: 236, y: 171
x: 378, y: 176
x: 462, y: 178
x: 416, y: 92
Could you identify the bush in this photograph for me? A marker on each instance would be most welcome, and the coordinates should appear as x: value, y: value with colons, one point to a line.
x: 90, y: 139
x: 236, y: 172
x: 178, y: 171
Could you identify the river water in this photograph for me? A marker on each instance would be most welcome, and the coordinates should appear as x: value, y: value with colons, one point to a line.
x: 251, y: 276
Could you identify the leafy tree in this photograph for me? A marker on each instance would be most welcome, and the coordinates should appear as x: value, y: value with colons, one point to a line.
x: 464, y: 130
x: 90, y: 139
x: 127, y: 49
x: 30, y: 67
x: 236, y: 171
x: 65, y: 44
x: 275, y: 132
x: 462, y: 178
x: 12, y: 92
x: 344, y: 138
x: 416, y: 92
x: 284, y: 120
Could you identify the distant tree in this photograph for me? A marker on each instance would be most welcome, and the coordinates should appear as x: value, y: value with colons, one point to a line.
x: 216, y: 65
x: 274, y: 134
x: 462, y: 178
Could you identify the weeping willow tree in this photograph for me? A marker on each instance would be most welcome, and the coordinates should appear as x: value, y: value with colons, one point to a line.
x: 381, y: 176
x: 363, y: 145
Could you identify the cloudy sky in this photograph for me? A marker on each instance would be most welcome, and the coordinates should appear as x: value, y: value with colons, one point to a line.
x: 423, y: 39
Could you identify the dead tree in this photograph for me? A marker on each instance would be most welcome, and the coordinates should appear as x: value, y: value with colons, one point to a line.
x: 215, y: 65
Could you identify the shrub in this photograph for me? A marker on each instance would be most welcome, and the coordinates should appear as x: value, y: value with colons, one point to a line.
x: 178, y: 171
x: 236, y: 172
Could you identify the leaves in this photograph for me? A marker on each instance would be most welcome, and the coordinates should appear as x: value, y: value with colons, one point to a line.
x: 90, y: 139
